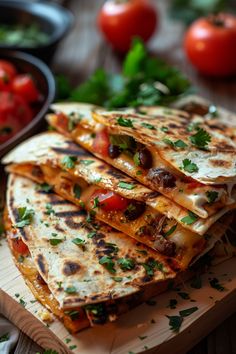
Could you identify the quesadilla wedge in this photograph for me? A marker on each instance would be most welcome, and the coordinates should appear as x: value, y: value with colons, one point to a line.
x: 116, y: 199
x: 82, y: 261
x: 149, y: 148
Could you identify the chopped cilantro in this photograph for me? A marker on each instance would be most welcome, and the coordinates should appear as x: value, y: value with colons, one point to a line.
x: 4, y: 338
x: 79, y: 242
x: 170, y: 231
x: 68, y: 340
x: 188, y: 312
x: 96, y: 203
x: 175, y: 322
x: 214, y: 283
x: 136, y: 159
x: 125, y: 122
x: 126, y: 185
x: 91, y: 234
x: 22, y: 302
x: 190, y: 218
x: 172, y: 303
x: 49, y: 209
x: 138, y: 173
x: 86, y: 162
x: 200, y: 139
x: 176, y: 144
x: 193, y: 126
x: 124, y: 142
x: 44, y: 187
x: 69, y: 161
x: 77, y: 191
x: 72, y: 347
x: 55, y: 241
x: 148, y: 126
x: 212, y: 196
x: 59, y: 284
x: 108, y: 263
x: 164, y: 129
x: 25, y: 217
x: 17, y: 295
x: 117, y: 279
x: 151, y: 265
x: 189, y: 166
x: 126, y: 263
x: 71, y: 290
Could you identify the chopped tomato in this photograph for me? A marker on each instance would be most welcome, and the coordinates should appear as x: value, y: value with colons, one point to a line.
x: 5, y: 81
x: 8, y: 68
x: 24, y: 85
x: 101, y: 143
x: 19, y: 246
x: 62, y: 121
x: 192, y: 183
x: 14, y: 115
x: 108, y: 200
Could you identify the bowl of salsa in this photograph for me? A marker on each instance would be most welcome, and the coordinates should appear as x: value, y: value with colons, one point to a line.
x: 27, y: 88
x: 33, y: 27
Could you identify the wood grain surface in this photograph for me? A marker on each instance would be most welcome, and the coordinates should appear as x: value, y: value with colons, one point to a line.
x: 82, y: 52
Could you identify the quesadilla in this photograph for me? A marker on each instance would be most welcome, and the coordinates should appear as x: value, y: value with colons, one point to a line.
x: 170, y: 151
x: 73, y: 264
x: 114, y: 198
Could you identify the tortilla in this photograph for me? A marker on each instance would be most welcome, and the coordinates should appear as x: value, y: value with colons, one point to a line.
x: 81, y: 260
x: 188, y: 193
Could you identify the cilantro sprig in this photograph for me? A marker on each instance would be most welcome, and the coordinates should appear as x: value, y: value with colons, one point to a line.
x: 189, y: 166
x: 25, y: 217
x: 201, y: 139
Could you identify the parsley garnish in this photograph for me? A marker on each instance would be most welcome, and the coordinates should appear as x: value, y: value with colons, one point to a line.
x: 175, y: 144
x: 91, y: 234
x: 190, y: 218
x: 151, y: 265
x: 55, y: 241
x: 148, y: 126
x: 125, y: 122
x: 4, y: 338
x: 25, y: 217
x: 126, y: 263
x: 170, y: 231
x: 188, y: 312
x: 117, y: 279
x: 175, y: 322
x: 214, y: 283
x: 71, y: 290
x: 96, y: 203
x: 189, y: 166
x: 44, y: 187
x: 79, y: 242
x: 69, y: 161
x: 136, y: 159
x: 22, y: 302
x: 77, y: 191
x: 200, y: 139
x: 212, y: 196
x: 108, y: 263
x: 49, y: 209
x: 87, y: 162
x: 72, y: 347
x: 164, y: 129
x: 126, y: 185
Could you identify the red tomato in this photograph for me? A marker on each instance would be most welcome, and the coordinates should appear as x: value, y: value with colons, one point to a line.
x: 19, y: 246
x: 5, y: 81
x: 109, y: 201
x: 210, y: 44
x: 192, y: 183
x: 24, y: 85
x: 9, y: 68
x: 14, y: 115
x: 101, y: 143
x: 121, y: 21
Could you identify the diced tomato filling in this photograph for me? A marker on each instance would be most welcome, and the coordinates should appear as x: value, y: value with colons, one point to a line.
x: 192, y: 183
x: 108, y: 200
x: 101, y: 143
x: 19, y: 246
x: 62, y: 121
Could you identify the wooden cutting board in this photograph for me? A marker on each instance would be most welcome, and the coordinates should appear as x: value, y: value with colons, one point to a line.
x: 144, y: 329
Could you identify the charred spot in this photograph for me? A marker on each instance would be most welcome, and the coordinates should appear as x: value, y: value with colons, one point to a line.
x: 41, y: 263
x: 101, y: 243
x: 220, y: 163
x: 152, y: 195
x: 224, y: 147
x: 36, y: 171
x: 73, y: 224
x: 216, y: 127
x: 71, y: 152
x: 58, y: 228
x: 146, y: 279
x: 72, y: 301
x: 70, y: 268
x: 23, y: 234
x: 101, y: 167
x: 40, y: 279
x: 173, y: 264
x: 196, y: 108
x: 70, y: 213
x: 174, y: 126
x: 96, y: 272
x: 115, y: 173
x: 98, y: 236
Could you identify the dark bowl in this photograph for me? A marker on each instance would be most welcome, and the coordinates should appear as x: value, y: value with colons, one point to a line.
x: 26, y: 63
x: 51, y: 18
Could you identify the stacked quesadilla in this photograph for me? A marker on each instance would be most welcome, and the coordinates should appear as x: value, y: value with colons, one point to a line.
x: 112, y: 220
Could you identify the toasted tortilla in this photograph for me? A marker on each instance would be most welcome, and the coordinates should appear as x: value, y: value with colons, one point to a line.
x: 73, y: 269
x: 193, y: 196
x: 40, y: 159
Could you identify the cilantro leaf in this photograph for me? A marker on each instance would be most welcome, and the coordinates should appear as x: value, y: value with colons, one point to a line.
x: 189, y: 166
x: 126, y: 185
x: 4, y: 338
x: 108, y: 263
x: 77, y: 191
x: 79, y: 242
x: 200, y: 139
x: 175, y: 322
x: 86, y: 162
x: 170, y: 231
x: 69, y: 161
x: 44, y: 187
x: 175, y: 144
x: 71, y: 290
x: 212, y: 196
x: 214, y: 283
x: 189, y: 219
x: 25, y: 217
x: 55, y: 241
x: 125, y: 122
x: 148, y: 126
x: 188, y: 312
x: 126, y: 263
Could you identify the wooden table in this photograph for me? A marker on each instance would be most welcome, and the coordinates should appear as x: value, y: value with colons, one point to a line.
x: 82, y: 52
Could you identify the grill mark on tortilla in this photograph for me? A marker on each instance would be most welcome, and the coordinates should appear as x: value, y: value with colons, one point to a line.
x: 224, y: 147
x: 70, y: 213
x: 152, y: 195
x: 41, y: 263
x: 115, y: 173
x: 59, y: 228
x: 71, y: 152
x: 71, y: 268
x: 222, y: 163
